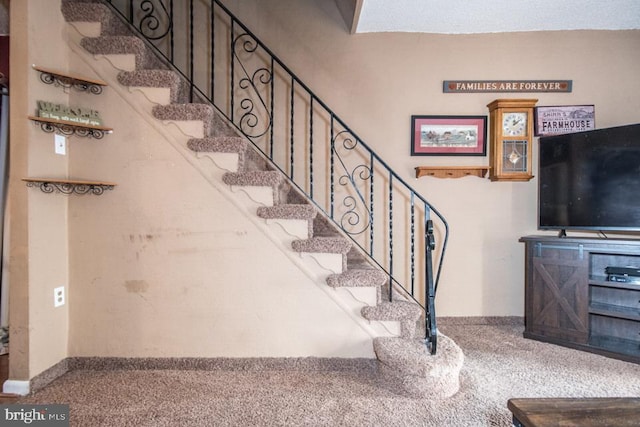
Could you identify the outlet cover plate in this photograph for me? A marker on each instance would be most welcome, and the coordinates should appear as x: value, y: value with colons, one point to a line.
x: 58, y: 296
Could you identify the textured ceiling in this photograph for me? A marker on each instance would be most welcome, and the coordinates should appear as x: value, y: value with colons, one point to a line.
x: 490, y: 16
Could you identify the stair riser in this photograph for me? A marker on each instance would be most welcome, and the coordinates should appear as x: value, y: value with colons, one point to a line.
x: 223, y: 162
x: 295, y: 229
x: 260, y: 196
x: 156, y: 95
x: 189, y: 128
x: 88, y: 29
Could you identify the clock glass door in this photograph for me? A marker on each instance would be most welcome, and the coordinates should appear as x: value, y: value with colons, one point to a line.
x: 514, y: 154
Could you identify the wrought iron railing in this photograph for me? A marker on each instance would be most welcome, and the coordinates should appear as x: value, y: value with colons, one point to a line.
x: 226, y: 64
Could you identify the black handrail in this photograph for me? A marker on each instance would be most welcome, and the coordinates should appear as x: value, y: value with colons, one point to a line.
x: 251, y: 87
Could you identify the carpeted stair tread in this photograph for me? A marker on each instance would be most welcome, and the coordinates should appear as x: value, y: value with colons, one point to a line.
x: 152, y: 78
x: 94, y: 12
x: 358, y: 278
x: 218, y: 144
x: 287, y: 211
x: 253, y: 178
x: 330, y: 245
x: 183, y: 112
x: 419, y: 372
x: 119, y: 45
x: 397, y: 310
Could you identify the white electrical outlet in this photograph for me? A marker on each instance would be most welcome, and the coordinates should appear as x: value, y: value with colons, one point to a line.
x: 58, y: 296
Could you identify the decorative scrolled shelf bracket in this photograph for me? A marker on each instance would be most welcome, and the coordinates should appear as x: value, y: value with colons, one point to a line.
x: 71, y: 128
x: 48, y: 185
x: 66, y: 81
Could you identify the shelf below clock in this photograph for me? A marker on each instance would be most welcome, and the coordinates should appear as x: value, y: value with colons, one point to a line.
x: 452, y: 171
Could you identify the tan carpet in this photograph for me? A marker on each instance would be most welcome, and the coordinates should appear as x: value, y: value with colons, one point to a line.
x: 499, y: 364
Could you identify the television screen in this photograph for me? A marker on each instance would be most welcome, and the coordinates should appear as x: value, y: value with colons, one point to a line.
x: 590, y: 180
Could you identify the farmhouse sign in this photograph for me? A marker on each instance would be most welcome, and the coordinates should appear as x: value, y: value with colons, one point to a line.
x: 476, y: 86
x: 564, y: 119
x: 80, y: 115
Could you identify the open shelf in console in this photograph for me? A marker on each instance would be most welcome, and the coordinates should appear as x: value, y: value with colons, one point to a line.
x: 599, y: 261
x: 611, y: 310
x: 614, y: 306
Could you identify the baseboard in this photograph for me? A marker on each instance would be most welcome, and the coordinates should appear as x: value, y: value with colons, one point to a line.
x: 48, y: 375
x: 16, y: 387
x: 221, y: 363
x: 481, y: 320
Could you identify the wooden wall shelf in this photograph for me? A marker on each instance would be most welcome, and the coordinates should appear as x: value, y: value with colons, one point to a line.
x: 65, y: 186
x: 57, y: 78
x: 452, y: 171
x: 71, y: 128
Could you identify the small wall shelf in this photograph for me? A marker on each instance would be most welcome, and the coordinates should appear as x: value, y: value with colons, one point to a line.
x: 451, y: 171
x: 71, y: 128
x: 49, y: 185
x: 58, y: 78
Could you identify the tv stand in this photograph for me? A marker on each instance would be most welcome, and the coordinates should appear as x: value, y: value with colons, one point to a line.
x: 570, y: 302
x: 562, y: 233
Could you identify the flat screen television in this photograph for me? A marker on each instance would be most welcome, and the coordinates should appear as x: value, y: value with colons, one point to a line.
x: 590, y: 180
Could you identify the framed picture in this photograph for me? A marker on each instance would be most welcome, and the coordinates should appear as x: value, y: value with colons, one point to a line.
x: 448, y: 135
x: 560, y: 119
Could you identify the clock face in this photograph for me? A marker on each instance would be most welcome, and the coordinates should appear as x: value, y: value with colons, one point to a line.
x: 514, y: 124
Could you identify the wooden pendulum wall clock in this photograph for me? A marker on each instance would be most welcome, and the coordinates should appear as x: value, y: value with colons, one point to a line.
x: 511, y: 137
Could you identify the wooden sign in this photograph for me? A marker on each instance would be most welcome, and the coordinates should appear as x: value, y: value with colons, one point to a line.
x: 80, y: 115
x: 478, y: 86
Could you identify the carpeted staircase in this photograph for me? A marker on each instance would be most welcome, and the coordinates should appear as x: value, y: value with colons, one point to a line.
x: 403, y: 357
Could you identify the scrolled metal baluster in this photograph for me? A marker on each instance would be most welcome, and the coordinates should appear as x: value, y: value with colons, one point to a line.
x: 360, y: 173
x: 150, y: 22
x: 249, y: 121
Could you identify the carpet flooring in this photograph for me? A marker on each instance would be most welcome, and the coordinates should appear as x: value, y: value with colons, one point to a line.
x: 499, y: 365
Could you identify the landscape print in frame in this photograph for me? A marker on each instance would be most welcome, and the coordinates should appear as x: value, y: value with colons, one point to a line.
x: 448, y: 135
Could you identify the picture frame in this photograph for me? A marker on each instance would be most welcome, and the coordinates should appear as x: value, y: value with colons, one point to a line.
x: 448, y: 135
x: 561, y: 119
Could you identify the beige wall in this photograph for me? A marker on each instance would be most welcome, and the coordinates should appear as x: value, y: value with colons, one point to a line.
x: 38, y: 260
x: 375, y: 82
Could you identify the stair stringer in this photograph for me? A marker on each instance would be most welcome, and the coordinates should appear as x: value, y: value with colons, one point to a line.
x: 281, y: 232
